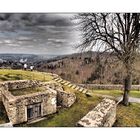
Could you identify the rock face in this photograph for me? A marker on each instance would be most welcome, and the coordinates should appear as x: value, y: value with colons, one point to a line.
x: 103, y: 115
x: 65, y: 99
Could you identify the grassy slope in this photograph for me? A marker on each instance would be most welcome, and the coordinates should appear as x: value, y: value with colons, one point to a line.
x: 126, y: 116
x: 9, y: 74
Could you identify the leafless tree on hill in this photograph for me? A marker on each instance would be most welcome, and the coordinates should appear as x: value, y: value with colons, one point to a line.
x: 116, y: 33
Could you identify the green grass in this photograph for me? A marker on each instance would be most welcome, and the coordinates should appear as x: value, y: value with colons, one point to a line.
x: 68, y: 117
x: 116, y: 93
x: 65, y: 116
x: 135, y: 93
x: 128, y: 116
x: 9, y: 74
x: 26, y: 91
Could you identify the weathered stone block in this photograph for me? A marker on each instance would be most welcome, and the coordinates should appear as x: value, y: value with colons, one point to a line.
x: 65, y: 99
x: 103, y: 115
x: 53, y: 85
x: 21, y: 84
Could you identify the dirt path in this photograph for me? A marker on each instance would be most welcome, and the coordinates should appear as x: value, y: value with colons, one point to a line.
x: 131, y: 99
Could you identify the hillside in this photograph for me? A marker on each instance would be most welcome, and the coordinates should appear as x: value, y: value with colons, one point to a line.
x: 9, y: 74
x: 88, y: 68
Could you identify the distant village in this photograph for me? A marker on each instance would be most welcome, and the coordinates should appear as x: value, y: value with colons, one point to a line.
x: 15, y: 64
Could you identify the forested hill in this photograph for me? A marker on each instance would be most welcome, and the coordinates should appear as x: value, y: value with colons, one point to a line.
x: 88, y: 68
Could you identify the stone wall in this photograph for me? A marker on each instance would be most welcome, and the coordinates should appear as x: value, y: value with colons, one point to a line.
x: 53, y: 85
x: 103, y: 115
x: 16, y: 107
x: 19, y: 84
x: 110, y: 87
x: 1, y: 90
x: 65, y: 99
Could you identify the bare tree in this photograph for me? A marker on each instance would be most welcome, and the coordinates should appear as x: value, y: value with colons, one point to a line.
x: 117, y: 33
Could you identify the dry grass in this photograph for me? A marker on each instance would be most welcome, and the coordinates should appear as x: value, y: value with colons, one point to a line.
x: 128, y: 116
x: 9, y: 74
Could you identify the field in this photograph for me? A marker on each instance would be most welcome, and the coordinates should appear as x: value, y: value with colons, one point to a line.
x: 68, y: 117
x: 9, y: 74
x: 128, y: 116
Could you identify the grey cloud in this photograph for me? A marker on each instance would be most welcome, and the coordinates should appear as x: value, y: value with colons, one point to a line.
x: 22, y: 20
x: 36, y: 33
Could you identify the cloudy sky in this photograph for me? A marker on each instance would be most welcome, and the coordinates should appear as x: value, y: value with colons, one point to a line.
x: 38, y: 33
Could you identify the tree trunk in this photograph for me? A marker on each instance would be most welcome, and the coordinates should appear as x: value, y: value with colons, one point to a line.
x: 127, y: 88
